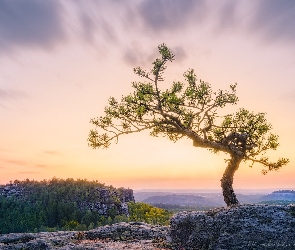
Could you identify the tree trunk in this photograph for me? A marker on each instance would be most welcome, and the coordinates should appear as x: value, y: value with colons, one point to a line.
x: 227, y: 181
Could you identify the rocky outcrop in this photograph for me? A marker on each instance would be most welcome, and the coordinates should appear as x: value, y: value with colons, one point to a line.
x: 244, y: 227
x: 102, y: 199
x: 134, y: 234
x: 129, y: 231
x: 109, y: 200
x: 11, y: 190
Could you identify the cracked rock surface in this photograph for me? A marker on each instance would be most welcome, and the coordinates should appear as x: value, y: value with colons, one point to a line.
x: 246, y: 227
x: 133, y: 235
x: 243, y: 227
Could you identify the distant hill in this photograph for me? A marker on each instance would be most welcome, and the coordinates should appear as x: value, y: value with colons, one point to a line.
x: 249, y: 198
x: 206, y: 200
x: 60, y: 204
x: 183, y: 200
x: 142, y: 195
x: 279, y: 197
x: 245, y: 196
x: 193, y: 199
x: 86, y: 195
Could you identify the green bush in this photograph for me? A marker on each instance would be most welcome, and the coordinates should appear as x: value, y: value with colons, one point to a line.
x: 146, y: 213
x: 53, y: 205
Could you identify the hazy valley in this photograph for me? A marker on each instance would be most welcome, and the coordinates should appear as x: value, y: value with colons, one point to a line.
x: 181, y: 200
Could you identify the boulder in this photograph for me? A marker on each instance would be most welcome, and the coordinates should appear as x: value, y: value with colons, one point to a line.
x: 118, y: 236
x: 242, y: 227
x: 129, y: 231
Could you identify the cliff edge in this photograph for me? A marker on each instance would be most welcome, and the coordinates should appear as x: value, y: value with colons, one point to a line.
x: 133, y: 235
x: 243, y: 227
x: 246, y: 227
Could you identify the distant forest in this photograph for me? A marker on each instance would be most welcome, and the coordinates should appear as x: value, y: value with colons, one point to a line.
x: 56, y: 205
x: 284, y: 192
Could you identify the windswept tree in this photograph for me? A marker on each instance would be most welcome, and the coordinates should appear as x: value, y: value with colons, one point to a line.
x: 189, y: 109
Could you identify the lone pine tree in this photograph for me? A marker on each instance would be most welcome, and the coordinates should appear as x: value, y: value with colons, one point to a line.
x: 189, y: 109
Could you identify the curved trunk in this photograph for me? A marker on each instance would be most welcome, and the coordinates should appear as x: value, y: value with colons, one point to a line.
x: 227, y: 181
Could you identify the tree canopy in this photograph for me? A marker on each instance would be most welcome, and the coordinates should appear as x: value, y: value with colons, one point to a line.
x: 57, y: 204
x: 189, y: 109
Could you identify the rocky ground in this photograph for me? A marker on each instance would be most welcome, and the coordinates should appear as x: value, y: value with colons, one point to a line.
x: 248, y: 227
x: 245, y: 227
x: 134, y: 235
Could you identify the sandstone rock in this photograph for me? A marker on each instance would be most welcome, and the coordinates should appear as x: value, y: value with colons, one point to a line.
x: 38, y: 241
x: 133, y: 235
x: 244, y: 227
x: 129, y: 231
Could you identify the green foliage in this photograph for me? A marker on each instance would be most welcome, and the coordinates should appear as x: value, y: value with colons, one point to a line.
x: 21, y: 216
x: 121, y: 218
x: 71, y: 225
x: 186, y: 109
x: 173, y: 208
x: 53, y: 205
x: 144, y: 212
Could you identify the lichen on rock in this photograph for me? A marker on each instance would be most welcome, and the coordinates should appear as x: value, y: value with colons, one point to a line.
x: 241, y: 227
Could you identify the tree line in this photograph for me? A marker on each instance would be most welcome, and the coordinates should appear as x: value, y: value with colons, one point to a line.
x: 54, y: 205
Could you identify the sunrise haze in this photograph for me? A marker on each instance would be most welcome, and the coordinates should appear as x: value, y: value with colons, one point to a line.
x: 60, y: 61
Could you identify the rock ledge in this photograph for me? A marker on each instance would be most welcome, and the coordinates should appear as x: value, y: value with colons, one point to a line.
x: 133, y: 235
x: 243, y: 227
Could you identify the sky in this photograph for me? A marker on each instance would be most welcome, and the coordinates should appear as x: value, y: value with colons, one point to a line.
x: 60, y: 61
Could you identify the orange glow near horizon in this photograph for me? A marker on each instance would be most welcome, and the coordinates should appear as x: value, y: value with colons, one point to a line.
x: 52, y: 82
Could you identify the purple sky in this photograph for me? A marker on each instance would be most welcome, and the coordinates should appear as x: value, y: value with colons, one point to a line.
x: 60, y: 61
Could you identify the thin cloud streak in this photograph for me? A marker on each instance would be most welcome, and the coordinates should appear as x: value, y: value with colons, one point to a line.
x: 95, y: 23
x: 267, y: 20
x: 16, y: 162
x: 51, y: 152
x: 274, y: 20
x: 288, y: 96
x: 41, y: 166
x: 8, y: 95
x: 2, y: 106
x: 88, y: 27
x: 135, y: 56
x: 162, y: 15
x: 11, y: 94
x: 227, y: 16
x: 30, y: 23
x: 29, y: 172
x: 41, y: 24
